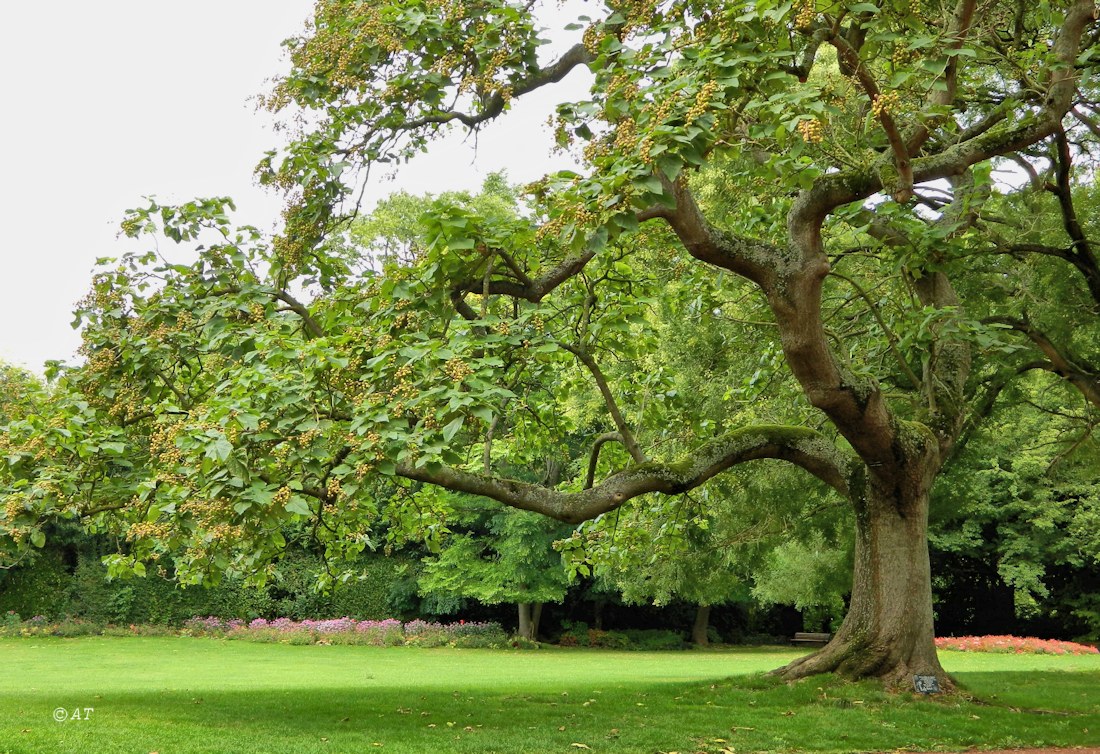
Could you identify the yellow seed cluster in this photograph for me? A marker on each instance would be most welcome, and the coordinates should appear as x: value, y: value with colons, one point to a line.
x: 208, y: 512
x: 811, y: 131
x: 805, y: 12
x: 702, y: 101
x: 13, y: 506
x: 282, y: 496
x: 658, y: 112
x: 591, y: 39
x: 131, y: 226
x: 148, y: 530
x: 626, y: 135
x: 224, y: 533
x: 888, y: 102
x: 307, y: 437
x: 333, y: 488
x: 457, y: 369
x: 162, y: 445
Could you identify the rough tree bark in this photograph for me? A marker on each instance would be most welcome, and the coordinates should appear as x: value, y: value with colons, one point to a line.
x: 888, y: 632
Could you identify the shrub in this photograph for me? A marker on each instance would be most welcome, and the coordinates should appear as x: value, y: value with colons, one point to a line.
x: 381, y: 633
x: 420, y: 633
x: 211, y: 626
x: 580, y: 635
x: 36, y: 588
x: 655, y: 639
x: 70, y: 627
x: 10, y: 623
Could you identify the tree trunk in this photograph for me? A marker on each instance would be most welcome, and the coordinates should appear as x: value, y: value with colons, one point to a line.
x: 529, y: 615
x: 702, y: 623
x: 888, y: 632
x: 597, y: 614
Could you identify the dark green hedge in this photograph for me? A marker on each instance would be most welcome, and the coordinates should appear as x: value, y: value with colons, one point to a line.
x: 54, y: 589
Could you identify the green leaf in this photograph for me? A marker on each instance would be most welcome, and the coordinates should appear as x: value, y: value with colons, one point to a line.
x: 452, y: 428
x: 299, y: 506
x: 219, y: 449
x: 484, y: 412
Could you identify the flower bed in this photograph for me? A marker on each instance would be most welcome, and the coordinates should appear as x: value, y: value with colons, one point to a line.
x: 388, y: 632
x: 379, y: 633
x: 1013, y: 645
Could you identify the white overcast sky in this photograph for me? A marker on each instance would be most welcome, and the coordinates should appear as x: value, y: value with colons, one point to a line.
x: 106, y: 102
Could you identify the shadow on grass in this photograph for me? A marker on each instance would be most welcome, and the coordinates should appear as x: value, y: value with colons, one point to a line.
x: 754, y: 713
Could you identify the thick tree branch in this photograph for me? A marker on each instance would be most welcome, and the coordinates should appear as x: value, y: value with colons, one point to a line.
x: 903, y: 192
x: 958, y: 32
x: 1082, y: 377
x: 311, y: 325
x: 1082, y: 256
x: 594, y: 456
x: 751, y: 258
x: 798, y: 445
x: 532, y: 289
x: 494, y: 104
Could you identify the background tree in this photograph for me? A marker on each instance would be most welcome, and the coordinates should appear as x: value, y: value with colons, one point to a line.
x: 500, y: 556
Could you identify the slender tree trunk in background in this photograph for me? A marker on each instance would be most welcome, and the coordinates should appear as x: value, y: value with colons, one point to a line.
x: 702, y: 623
x: 526, y: 626
x: 530, y: 613
x: 597, y: 614
x: 536, y: 617
x: 888, y: 632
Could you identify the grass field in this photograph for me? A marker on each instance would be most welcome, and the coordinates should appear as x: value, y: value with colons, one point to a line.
x: 192, y: 696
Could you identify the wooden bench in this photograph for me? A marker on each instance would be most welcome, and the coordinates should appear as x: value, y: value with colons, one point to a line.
x: 811, y: 639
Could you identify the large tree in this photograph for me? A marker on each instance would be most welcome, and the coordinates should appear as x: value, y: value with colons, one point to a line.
x: 818, y: 172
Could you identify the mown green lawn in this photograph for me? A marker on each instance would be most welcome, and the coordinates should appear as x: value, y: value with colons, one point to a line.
x: 184, y: 696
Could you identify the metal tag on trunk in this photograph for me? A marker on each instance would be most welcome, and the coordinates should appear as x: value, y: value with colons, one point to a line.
x: 926, y: 684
